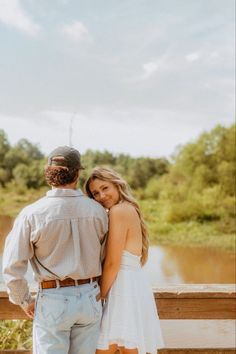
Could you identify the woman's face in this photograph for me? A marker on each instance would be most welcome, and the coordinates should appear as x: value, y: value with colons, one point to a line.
x: 105, y: 193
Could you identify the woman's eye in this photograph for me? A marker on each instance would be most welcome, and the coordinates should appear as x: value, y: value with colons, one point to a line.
x: 95, y: 194
x: 105, y: 188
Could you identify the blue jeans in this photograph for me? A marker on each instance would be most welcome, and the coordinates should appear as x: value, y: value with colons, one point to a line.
x: 67, y: 320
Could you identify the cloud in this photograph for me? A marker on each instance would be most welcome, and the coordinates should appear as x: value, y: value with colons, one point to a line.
x: 149, y: 69
x: 76, y: 32
x: 13, y: 15
x: 193, y: 56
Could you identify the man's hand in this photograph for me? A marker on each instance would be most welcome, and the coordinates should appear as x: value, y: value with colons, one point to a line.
x: 29, y: 309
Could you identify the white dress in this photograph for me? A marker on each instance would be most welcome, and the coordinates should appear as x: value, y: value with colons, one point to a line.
x: 130, y: 317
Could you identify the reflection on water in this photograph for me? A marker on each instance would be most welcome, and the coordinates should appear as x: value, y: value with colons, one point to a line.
x: 175, y: 265
x: 172, y: 265
x: 202, y: 265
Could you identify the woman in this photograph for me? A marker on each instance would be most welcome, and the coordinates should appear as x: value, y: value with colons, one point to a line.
x: 130, y: 322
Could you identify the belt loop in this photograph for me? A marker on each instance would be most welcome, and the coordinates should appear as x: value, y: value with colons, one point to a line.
x: 76, y: 282
x: 40, y: 286
x: 91, y: 280
x: 58, y: 283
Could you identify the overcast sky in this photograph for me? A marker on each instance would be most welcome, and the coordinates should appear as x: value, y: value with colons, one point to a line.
x: 132, y: 76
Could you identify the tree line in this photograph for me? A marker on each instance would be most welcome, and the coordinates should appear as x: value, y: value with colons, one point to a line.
x: 23, y: 164
x: 198, y: 183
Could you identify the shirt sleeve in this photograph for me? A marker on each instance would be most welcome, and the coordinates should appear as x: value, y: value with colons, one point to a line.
x: 102, y: 228
x: 103, y: 225
x: 17, y: 251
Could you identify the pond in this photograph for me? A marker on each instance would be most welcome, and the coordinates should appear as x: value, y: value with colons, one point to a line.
x: 171, y: 265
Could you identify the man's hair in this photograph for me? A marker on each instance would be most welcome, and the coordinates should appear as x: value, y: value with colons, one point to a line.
x: 60, y: 176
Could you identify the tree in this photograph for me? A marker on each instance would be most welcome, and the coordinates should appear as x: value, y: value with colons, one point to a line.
x: 201, y: 181
x: 30, y: 176
x: 4, y: 146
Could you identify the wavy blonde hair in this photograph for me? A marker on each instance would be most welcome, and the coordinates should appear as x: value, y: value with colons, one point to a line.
x: 109, y: 175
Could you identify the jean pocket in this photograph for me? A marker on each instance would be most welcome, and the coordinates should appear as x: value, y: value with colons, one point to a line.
x: 51, y: 308
x: 95, y: 300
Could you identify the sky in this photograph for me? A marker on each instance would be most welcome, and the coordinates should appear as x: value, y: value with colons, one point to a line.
x: 139, y: 77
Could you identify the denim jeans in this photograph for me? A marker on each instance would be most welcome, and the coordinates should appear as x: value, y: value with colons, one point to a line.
x: 67, y: 320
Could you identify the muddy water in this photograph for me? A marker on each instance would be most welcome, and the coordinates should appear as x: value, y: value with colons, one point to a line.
x: 172, y: 265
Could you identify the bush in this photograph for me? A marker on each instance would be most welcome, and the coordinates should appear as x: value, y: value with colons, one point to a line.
x: 15, y: 334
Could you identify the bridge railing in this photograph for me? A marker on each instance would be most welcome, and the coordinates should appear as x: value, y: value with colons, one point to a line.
x: 194, y: 318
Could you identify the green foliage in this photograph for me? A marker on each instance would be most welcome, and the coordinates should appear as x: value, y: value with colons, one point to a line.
x: 153, y: 188
x: 141, y: 170
x: 200, y: 185
x: 31, y: 175
x: 4, y: 145
x: 15, y: 334
x: 21, y: 163
x: 219, y: 233
x: 137, y: 171
x: 14, y: 197
x: 4, y: 148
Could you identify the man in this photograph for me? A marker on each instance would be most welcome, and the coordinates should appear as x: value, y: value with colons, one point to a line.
x: 62, y: 235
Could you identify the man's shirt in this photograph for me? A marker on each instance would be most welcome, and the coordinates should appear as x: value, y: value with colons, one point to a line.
x: 61, y: 234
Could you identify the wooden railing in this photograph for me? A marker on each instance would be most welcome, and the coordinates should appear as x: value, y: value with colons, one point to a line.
x: 194, y: 318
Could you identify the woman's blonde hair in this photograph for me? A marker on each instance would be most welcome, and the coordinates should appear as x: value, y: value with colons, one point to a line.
x: 109, y: 175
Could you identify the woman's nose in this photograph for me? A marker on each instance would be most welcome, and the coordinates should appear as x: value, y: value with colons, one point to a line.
x: 102, y: 196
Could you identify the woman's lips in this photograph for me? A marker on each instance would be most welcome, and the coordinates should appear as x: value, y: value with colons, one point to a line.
x: 105, y: 203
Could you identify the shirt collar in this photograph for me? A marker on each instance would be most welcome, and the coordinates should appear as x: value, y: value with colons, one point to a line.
x: 60, y: 192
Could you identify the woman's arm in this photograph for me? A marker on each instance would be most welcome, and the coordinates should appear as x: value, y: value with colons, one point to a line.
x: 118, y: 228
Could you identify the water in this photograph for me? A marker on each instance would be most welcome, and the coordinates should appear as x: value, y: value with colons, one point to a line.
x: 170, y: 265
x: 185, y: 265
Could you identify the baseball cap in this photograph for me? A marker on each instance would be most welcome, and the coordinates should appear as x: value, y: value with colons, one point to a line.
x: 65, y: 156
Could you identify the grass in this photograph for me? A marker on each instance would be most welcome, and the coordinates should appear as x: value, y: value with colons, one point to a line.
x: 188, y: 233
x: 11, y: 202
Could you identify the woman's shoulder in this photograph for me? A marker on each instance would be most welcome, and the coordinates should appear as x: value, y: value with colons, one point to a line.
x: 123, y: 209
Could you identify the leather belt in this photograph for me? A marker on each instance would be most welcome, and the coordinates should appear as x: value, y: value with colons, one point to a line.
x: 48, y: 284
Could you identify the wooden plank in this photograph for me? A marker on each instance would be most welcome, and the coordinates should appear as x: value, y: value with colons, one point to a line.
x: 196, y: 301
x: 173, y: 302
x: 15, y: 352
x: 9, y: 311
x: 196, y: 351
x: 173, y: 291
x: 196, y: 291
x: 161, y: 351
x: 170, y: 308
x: 8, y: 351
x: 196, y: 308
